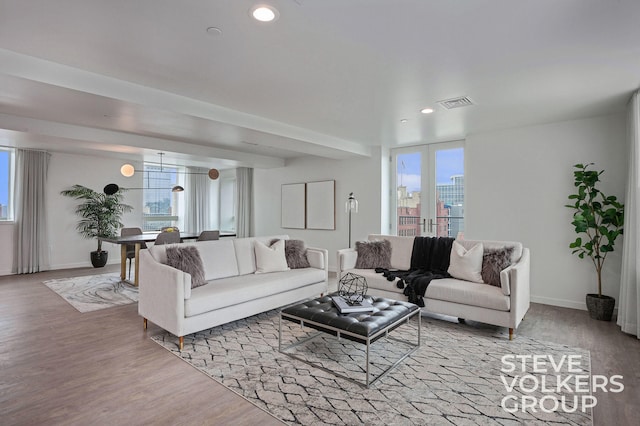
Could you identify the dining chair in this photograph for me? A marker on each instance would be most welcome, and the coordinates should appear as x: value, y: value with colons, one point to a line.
x: 209, y: 235
x: 168, y: 238
x: 131, y: 248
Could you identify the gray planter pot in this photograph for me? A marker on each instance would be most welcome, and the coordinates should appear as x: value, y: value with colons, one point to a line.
x: 600, y: 308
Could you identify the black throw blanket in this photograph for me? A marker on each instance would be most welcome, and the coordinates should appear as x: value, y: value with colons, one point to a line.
x: 429, y: 261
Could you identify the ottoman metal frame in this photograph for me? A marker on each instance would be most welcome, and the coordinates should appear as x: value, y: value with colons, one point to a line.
x: 338, y: 332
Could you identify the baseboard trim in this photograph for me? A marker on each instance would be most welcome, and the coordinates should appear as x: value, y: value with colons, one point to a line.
x: 86, y: 264
x: 559, y: 302
x: 70, y: 265
x: 582, y: 306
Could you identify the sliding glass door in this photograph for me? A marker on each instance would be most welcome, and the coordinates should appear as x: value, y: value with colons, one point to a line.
x: 429, y: 182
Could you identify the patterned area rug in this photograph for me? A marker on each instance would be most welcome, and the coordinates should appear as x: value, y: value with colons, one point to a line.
x: 459, y: 376
x: 94, y: 292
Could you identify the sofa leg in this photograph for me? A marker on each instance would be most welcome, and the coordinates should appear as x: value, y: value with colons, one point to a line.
x: 510, y: 333
x: 144, y: 323
x: 181, y: 344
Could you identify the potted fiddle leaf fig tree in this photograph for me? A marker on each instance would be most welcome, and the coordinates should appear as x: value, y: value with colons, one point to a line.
x: 598, y: 220
x: 100, y: 217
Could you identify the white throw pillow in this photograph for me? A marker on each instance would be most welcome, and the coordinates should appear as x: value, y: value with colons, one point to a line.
x: 466, y: 264
x: 270, y: 259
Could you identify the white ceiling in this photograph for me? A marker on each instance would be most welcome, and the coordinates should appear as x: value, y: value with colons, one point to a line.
x: 330, y: 78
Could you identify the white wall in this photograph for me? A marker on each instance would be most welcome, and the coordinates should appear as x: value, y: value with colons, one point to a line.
x: 363, y: 177
x: 67, y: 248
x: 517, y: 183
x: 6, y: 247
x: 528, y: 170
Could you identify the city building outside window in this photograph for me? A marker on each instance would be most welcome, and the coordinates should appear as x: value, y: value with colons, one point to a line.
x: 429, y: 181
x: 161, y: 206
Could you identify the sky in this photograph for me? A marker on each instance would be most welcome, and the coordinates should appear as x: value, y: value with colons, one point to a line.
x: 449, y: 162
x: 4, y: 178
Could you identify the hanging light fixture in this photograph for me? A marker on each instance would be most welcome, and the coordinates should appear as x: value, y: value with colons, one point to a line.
x: 112, y: 188
x: 127, y: 170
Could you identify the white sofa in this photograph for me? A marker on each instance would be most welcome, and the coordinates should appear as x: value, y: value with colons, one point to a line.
x: 503, y: 306
x: 233, y: 290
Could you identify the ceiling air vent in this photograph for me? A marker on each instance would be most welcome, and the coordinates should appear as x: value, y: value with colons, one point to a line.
x: 462, y: 101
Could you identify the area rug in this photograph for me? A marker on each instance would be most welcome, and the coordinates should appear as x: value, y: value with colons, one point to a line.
x: 94, y: 292
x: 460, y: 375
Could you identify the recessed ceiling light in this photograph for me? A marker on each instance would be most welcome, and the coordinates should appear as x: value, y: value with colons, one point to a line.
x: 264, y: 13
x: 404, y: 120
x: 426, y: 110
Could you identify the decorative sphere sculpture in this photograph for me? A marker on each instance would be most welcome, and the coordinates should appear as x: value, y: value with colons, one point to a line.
x: 353, y: 287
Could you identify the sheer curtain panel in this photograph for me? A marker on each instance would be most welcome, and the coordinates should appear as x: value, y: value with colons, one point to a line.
x: 197, y: 201
x: 31, y: 240
x: 244, y: 188
x: 629, y: 299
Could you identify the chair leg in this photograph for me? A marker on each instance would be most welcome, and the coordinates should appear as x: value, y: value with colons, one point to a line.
x: 510, y: 333
x: 181, y: 338
x: 144, y: 323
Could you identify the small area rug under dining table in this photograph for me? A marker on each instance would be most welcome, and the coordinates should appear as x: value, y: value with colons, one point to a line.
x: 93, y: 292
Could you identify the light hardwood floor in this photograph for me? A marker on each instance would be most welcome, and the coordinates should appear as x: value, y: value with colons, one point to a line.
x: 60, y: 366
x: 612, y: 353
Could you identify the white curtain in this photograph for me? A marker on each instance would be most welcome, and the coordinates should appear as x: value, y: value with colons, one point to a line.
x: 197, y: 197
x: 31, y: 239
x: 629, y: 299
x: 244, y: 208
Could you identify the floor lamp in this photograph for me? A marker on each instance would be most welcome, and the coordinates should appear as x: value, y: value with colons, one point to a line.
x: 351, y: 206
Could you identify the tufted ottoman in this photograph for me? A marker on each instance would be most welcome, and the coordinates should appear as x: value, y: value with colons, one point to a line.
x: 364, y: 328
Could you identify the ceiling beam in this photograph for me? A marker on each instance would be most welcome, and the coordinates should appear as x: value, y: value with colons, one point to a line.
x: 27, y: 67
x: 110, y: 138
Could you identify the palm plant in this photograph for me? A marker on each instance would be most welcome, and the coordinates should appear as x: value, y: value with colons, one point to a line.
x: 597, y: 216
x: 100, y: 214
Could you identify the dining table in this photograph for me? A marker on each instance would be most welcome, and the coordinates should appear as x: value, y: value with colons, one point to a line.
x: 137, y: 240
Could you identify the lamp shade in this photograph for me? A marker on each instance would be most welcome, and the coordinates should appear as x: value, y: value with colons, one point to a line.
x: 127, y: 170
x: 351, y: 205
x: 213, y: 174
x: 111, y: 189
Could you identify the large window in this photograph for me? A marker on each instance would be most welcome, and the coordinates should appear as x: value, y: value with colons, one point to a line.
x: 228, y: 204
x: 161, y: 206
x: 6, y: 183
x: 429, y: 180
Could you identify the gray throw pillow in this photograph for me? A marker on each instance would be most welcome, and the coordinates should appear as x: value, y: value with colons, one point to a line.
x: 493, y: 262
x: 295, y: 253
x: 373, y: 254
x: 187, y: 259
